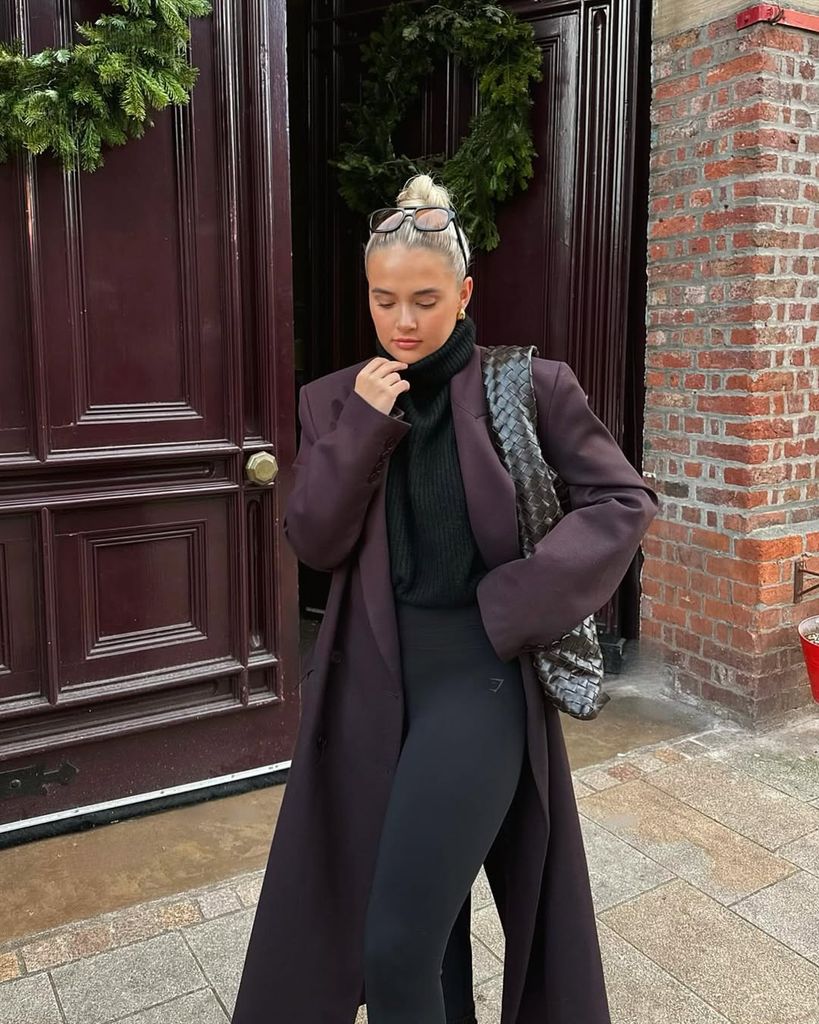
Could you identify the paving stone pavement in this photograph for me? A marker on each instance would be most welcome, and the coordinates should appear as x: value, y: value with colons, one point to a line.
x: 704, y: 860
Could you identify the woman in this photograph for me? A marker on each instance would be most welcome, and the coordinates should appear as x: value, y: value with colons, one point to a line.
x: 425, y: 748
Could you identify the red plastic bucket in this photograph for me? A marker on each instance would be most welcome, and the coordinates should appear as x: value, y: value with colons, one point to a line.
x: 810, y: 649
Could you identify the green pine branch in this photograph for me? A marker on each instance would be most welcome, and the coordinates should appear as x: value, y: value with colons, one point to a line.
x: 73, y: 101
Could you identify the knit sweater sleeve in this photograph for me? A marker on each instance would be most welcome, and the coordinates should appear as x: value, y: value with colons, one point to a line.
x: 336, y: 474
x: 576, y: 567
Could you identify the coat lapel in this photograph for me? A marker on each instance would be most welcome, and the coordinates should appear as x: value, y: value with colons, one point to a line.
x: 376, y: 583
x: 490, y: 501
x: 489, y: 490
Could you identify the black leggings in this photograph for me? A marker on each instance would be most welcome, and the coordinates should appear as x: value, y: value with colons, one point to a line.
x: 461, y: 756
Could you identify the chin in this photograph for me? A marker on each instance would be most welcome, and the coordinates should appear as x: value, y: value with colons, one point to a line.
x: 412, y: 357
x: 407, y: 355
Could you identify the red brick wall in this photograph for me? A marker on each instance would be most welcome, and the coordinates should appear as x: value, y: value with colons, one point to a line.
x: 732, y: 362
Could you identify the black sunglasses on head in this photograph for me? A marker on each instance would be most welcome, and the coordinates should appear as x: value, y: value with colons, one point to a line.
x: 425, y: 218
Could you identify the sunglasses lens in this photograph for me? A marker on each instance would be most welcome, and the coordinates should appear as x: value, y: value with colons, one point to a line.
x: 387, y: 219
x: 431, y: 218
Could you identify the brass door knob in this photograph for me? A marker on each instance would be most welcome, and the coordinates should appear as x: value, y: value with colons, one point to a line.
x: 261, y: 467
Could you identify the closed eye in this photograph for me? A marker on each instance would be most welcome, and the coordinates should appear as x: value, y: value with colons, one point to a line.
x: 389, y: 305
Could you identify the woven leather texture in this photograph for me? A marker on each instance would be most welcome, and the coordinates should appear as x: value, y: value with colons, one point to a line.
x: 570, y: 669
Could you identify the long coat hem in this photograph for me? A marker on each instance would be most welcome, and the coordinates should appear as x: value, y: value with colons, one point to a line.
x: 304, y: 961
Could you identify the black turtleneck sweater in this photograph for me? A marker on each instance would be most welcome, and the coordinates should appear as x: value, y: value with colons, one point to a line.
x: 433, y: 556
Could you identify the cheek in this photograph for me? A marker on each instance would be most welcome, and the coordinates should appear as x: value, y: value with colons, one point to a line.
x: 380, y: 316
x: 383, y: 323
x: 440, y: 317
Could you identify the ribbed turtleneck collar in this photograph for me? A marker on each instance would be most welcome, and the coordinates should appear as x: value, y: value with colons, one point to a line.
x: 429, y: 374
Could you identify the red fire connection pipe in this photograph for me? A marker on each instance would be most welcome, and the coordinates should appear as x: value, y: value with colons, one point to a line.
x: 776, y: 15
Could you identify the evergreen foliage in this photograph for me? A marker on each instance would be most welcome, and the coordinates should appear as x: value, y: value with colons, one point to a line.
x: 496, y: 155
x: 74, y: 100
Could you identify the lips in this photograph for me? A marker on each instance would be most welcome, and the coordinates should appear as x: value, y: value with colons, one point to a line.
x: 406, y: 342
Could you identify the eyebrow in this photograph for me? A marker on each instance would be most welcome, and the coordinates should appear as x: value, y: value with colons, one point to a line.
x: 421, y: 291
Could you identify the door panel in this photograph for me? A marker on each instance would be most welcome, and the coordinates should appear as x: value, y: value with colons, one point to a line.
x: 15, y: 401
x: 20, y: 623
x: 131, y: 264
x: 148, y: 612
x: 140, y: 590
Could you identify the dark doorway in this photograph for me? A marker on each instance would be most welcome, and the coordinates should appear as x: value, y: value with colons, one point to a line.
x: 569, y: 275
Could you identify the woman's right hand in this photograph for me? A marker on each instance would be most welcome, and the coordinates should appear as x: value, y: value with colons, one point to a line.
x: 380, y: 383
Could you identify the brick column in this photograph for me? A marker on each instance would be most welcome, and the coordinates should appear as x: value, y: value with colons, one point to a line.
x: 732, y: 361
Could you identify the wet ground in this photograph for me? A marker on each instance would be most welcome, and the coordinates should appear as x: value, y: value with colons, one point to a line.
x: 82, y: 875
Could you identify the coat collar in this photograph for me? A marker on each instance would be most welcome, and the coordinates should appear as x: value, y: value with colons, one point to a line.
x: 490, y: 501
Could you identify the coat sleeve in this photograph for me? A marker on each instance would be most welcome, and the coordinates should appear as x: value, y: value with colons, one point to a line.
x: 577, y: 566
x: 336, y: 474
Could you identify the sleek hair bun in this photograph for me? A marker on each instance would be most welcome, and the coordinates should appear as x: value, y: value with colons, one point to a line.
x: 422, y: 190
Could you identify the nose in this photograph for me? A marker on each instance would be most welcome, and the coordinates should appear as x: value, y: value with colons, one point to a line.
x: 406, y: 321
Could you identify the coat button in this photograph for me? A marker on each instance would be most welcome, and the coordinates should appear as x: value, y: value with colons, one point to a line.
x: 321, y: 741
x: 336, y: 657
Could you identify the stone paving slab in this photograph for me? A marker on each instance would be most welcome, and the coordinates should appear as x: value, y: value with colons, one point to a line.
x: 488, y: 1001
x: 219, y: 947
x: 485, y: 963
x: 197, y: 1008
x: 487, y: 927
x: 119, y: 928
x: 106, y: 987
x: 29, y: 1001
x: 743, y: 973
x: 788, y: 910
x: 481, y: 895
x: 9, y: 966
x: 721, y: 862
x: 581, y: 789
x: 804, y: 852
x: 786, y: 758
x: 759, y: 812
x: 701, y: 922
x: 641, y: 991
x: 618, y: 872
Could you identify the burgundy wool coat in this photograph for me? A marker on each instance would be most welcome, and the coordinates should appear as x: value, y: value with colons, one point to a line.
x: 304, y: 962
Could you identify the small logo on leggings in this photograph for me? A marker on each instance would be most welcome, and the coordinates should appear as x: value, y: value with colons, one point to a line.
x: 495, y: 685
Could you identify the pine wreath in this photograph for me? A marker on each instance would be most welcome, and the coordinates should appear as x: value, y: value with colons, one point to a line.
x: 494, y: 157
x: 74, y: 100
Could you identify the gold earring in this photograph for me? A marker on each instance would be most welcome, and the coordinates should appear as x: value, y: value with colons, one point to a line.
x: 461, y: 314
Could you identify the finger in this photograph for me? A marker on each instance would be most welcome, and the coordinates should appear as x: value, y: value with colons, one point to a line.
x: 388, y: 367
x: 376, y: 365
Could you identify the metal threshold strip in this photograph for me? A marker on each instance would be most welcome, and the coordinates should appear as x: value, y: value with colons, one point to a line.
x: 81, y: 813
x: 776, y: 15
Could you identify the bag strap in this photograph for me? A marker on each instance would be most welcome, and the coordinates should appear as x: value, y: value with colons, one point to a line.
x: 512, y: 404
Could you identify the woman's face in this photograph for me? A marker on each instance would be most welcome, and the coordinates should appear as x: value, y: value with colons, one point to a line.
x: 413, y: 295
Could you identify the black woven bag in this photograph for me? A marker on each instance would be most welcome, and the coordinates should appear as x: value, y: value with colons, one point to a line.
x: 570, y: 669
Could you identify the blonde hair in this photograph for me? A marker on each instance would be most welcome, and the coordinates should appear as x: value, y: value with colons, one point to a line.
x: 421, y: 190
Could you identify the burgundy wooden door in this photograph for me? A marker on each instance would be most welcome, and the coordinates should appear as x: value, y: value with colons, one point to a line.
x: 148, y: 622
x: 569, y: 273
